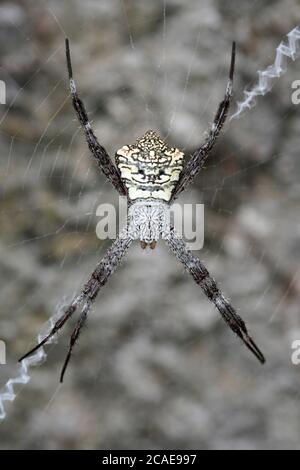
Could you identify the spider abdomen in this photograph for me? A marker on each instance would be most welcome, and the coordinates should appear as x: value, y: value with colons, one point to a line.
x: 148, y: 221
x: 150, y: 168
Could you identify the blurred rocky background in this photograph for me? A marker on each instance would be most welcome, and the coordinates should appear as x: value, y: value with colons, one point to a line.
x: 156, y: 367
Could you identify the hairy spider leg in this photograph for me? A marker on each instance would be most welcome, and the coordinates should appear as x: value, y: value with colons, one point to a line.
x: 99, y: 277
x: 101, y: 156
x: 199, y: 157
x: 210, y: 288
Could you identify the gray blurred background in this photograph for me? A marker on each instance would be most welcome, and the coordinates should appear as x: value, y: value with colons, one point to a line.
x: 156, y: 367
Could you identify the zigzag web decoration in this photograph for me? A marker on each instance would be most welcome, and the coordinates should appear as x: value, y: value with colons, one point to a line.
x: 8, y: 392
x: 266, y: 77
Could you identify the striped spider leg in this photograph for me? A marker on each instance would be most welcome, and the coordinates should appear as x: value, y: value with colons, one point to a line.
x: 210, y: 288
x: 199, y: 157
x: 97, y: 280
x: 101, y: 156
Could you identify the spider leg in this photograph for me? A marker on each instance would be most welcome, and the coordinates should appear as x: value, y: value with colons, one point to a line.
x: 103, y: 159
x: 74, y: 337
x: 198, y: 158
x: 209, y: 286
x: 97, y: 280
x: 57, y: 326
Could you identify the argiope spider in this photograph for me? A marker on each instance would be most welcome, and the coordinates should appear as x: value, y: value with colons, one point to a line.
x: 151, y: 175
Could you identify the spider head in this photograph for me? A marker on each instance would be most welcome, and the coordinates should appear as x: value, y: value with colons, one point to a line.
x: 149, y: 167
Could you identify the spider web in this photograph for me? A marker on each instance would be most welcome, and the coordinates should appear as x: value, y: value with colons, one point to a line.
x: 50, y: 191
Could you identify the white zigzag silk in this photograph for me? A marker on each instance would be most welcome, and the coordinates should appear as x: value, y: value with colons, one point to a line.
x: 8, y: 393
x: 267, y: 77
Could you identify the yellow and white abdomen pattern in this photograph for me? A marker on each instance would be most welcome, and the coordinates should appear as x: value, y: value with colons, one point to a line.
x: 150, y: 168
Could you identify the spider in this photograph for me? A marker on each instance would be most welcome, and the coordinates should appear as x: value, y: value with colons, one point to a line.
x: 151, y: 174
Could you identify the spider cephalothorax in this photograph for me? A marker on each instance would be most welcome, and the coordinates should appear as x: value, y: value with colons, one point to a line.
x: 149, y: 167
x: 151, y: 174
